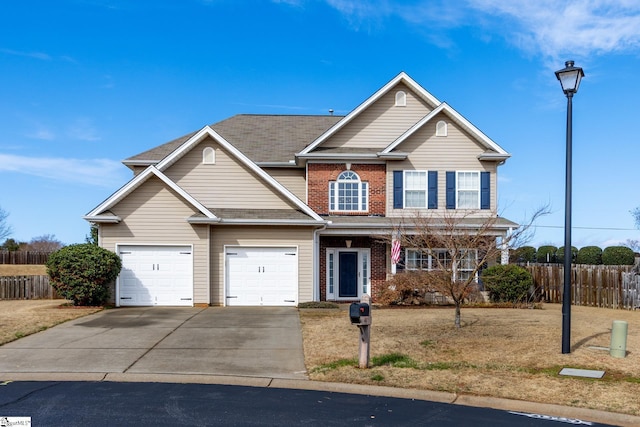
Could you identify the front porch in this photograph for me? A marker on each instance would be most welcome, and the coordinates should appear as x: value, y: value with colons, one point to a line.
x: 351, y: 266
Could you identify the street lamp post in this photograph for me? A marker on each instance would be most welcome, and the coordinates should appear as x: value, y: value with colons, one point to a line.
x: 569, y: 77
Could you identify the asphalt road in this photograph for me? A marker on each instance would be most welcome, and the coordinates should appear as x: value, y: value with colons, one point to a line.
x: 164, y: 404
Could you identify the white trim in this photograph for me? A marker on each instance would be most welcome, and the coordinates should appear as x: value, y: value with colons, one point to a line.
x: 361, y: 186
x: 404, y: 189
x: 208, y: 131
x: 135, y: 183
x: 336, y: 273
x: 458, y: 118
x: 479, y: 189
x: 400, y: 78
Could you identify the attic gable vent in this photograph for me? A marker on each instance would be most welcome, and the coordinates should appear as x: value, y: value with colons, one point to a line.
x: 401, y: 99
x: 441, y: 128
x: 209, y: 156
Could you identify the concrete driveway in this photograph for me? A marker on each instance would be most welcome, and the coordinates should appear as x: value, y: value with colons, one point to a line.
x: 230, y: 341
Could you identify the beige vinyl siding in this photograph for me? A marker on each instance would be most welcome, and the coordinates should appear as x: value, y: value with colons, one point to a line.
x: 292, y: 179
x: 155, y: 214
x: 456, y: 152
x: 381, y: 123
x: 225, y: 184
x: 222, y: 236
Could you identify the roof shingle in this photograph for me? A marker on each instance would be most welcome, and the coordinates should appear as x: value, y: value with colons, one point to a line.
x: 262, y: 138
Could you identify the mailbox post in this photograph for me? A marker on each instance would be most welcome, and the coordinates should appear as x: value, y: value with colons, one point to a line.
x: 360, y: 315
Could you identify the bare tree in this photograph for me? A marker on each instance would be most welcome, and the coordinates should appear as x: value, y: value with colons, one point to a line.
x: 5, y: 229
x: 45, y: 243
x: 633, y: 244
x: 457, y: 245
x: 636, y: 216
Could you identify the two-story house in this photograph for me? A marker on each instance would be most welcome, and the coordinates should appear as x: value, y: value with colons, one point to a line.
x: 283, y: 209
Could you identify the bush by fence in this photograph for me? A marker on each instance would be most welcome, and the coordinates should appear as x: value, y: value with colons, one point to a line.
x: 24, y: 257
x: 591, y: 285
x: 26, y: 287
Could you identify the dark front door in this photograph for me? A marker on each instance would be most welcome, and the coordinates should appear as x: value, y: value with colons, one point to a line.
x: 348, y: 276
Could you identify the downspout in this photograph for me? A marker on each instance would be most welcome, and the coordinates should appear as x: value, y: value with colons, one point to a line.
x: 316, y: 261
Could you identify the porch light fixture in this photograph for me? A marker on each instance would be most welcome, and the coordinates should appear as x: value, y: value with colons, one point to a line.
x: 570, y: 78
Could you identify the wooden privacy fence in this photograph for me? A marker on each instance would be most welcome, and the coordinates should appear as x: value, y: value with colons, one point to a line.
x: 26, y: 287
x: 591, y: 285
x: 24, y: 257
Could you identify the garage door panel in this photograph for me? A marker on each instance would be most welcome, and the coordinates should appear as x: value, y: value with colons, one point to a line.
x: 156, y: 275
x: 262, y: 276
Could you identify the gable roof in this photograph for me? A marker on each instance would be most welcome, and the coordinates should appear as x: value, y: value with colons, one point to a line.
x: 400, y: 78
x: 262, y: 138
x: 186, y: 145
x: 96, y: 215
x: 495, y: 151
x: 208, y: 132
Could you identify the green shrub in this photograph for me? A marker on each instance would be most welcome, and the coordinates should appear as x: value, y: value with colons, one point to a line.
x: 546, y: 254
x: 560, y: 254
x: 507, y: 283
x: 523, y: 254
x: 589, y: 255
x: 82, y: 273
x: 618, y: 255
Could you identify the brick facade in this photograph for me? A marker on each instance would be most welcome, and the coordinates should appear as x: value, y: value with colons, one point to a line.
x: 378, y: 260
x: 320, y: 174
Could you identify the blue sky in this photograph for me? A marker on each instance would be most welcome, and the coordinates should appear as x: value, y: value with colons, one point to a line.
x: 87, y: 83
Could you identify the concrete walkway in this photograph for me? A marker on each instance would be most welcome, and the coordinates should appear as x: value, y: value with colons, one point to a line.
x: 237, y: 341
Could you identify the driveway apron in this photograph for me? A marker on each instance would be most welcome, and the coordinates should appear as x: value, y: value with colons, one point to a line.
x: 236, y: 341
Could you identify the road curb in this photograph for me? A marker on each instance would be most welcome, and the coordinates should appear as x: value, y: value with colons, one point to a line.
x: 536, y: 410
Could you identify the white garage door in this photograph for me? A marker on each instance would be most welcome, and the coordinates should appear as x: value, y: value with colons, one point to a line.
x: 156, y: 275
x: 261, y: 276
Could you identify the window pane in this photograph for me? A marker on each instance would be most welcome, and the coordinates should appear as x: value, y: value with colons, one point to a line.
x: 365, y: 277
x: 364, y: 198
x: 415, y: 189
x: 415, y: 199
x: 332, y: 196
x: 468, y: 199
x: 468, y: 181
x: 331, y: 273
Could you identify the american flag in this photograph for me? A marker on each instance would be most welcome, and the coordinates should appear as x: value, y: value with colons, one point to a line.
x: 395, y: 251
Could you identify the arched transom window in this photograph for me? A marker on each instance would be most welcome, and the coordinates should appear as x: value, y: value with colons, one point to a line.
x: 349, y: 193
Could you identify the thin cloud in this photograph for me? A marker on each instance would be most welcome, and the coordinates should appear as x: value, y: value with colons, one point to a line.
x: 42, y: 134
x: 579, y: 27
x: 549, y: 28
x: 94, y: 172
x: 35, y: 55
x: 83, y: 130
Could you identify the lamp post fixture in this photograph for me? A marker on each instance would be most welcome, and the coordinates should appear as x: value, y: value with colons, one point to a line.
x: 569, y: 77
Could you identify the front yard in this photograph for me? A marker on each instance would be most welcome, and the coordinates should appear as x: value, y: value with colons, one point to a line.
x: 509, y: 353
x: 19, y: 318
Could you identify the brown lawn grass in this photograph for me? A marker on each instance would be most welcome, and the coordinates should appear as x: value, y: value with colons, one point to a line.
x: 19, y: 318
x: 509, y: 353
